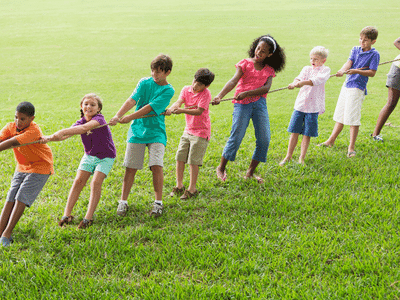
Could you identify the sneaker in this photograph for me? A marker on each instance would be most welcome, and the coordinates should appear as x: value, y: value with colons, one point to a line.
x: 122, y: 209
x: 5, y: 242
x: 65, y: 220
x: 85, y: 223
x: 377, y: 138
x: 177, y: 191
x: 187, y: 195
x: 157, y: 210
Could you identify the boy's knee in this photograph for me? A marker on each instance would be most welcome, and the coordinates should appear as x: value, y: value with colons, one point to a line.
x: 156, y: 169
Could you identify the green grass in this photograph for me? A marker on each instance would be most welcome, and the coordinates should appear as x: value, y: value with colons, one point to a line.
x: 327, y: 230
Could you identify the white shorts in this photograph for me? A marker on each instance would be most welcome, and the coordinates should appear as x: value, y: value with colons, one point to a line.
x: 134, y: 155
x: 348, y: 107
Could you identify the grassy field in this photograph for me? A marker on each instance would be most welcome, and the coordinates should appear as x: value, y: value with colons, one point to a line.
x: 326, y: 230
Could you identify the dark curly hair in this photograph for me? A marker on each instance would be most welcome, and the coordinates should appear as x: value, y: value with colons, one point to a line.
x: 277, y: 60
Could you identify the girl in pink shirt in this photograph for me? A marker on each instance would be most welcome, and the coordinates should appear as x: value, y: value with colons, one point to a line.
x: 253, y: 79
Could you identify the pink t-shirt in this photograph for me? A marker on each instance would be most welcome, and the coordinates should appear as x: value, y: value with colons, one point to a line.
x: 311, y: 99
x: 252, y: 79
x: 197, y: 125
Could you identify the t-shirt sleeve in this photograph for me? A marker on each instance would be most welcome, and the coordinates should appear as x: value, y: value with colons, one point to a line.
x: 204, y: 101
x: 352, y: 56
x: 161, y: 101
x: 5, y: 133
x: 100, y: 119
x: 138, y: 91
x: 321, y: 77
x: 375, y: 61
x: 183, y: 94
x: 242, y: 64
x: 302, y: 75
x: 31, y: 134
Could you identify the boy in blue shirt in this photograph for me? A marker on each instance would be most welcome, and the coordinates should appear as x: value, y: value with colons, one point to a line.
x: 151, y: 97
x: 362, y: 64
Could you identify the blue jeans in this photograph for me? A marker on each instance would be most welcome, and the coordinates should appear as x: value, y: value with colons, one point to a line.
x: 242, y: 113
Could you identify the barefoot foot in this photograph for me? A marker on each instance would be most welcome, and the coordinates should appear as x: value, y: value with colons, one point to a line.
x: 221, y: 174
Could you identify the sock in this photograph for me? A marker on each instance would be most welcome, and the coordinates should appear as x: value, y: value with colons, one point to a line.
x: 158, y: 202
x: 123, y: 201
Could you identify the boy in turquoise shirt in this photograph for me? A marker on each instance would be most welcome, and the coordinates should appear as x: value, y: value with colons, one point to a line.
x: 151, y: 97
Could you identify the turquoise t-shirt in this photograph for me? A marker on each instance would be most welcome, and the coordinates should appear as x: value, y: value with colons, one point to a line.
x: 151, y: 129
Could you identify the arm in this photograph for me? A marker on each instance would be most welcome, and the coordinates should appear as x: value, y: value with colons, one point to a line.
x: 137, y: 114
x: 129, y: 103
x: 344, y: 69
x: 174, y: 107
x: 301, y: 83
x: 397, y: 43
x: 7, y: 144
x: 228, y: 86
x: 257, y: 92
x: 368, y: 73
x: 194, y: 112
x: 63, y: 134
x: 292, y: 85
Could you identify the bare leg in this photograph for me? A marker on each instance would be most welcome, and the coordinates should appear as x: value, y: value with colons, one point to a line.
x: 221, y: 172
x: 353, y: 137
x: 294, y: 137
x: 76, y: 189
x: 158, y: 181
x: 129, y: 178
x: 304, y: 146
x: 194, y: 172
x: 180, y: 169
x: 5, y: 215
x: 250, y: 171
x: 393, y: 98
x: 337, y: 129
x: 16, y: 214
x: 95, y: 193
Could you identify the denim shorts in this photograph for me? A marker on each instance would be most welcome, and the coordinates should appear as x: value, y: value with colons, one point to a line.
x: 91, y: 164
x: 304, y: 123
x: 25, y: 187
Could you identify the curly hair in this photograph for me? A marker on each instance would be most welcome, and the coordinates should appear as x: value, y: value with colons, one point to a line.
x: 278, y: 58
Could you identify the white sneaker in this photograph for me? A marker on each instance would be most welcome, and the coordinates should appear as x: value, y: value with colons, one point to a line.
x: 122, y: 209
x: 377, y: 138
x: 157, y: 210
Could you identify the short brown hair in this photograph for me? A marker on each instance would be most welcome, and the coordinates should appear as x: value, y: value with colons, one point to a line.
x: 204, y: 76
x: 162, y: 62
x: 370, y: 32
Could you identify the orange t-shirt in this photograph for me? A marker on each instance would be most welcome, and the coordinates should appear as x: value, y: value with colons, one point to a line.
x: 35, y: 158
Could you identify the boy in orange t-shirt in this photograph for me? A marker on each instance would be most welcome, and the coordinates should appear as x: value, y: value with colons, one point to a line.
x: 34, y: 166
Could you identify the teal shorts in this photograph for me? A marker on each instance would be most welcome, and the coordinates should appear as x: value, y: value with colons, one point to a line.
x: 92, y: 163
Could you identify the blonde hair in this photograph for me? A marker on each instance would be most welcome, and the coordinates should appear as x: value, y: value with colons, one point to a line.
x: 320, y: 51
x: 92, y: 96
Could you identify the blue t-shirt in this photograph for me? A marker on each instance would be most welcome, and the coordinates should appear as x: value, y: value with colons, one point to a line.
x: 368, y: 60
x: 151, y: 129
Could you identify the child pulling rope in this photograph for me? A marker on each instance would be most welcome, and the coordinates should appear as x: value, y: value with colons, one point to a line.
x: 191, y: 107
